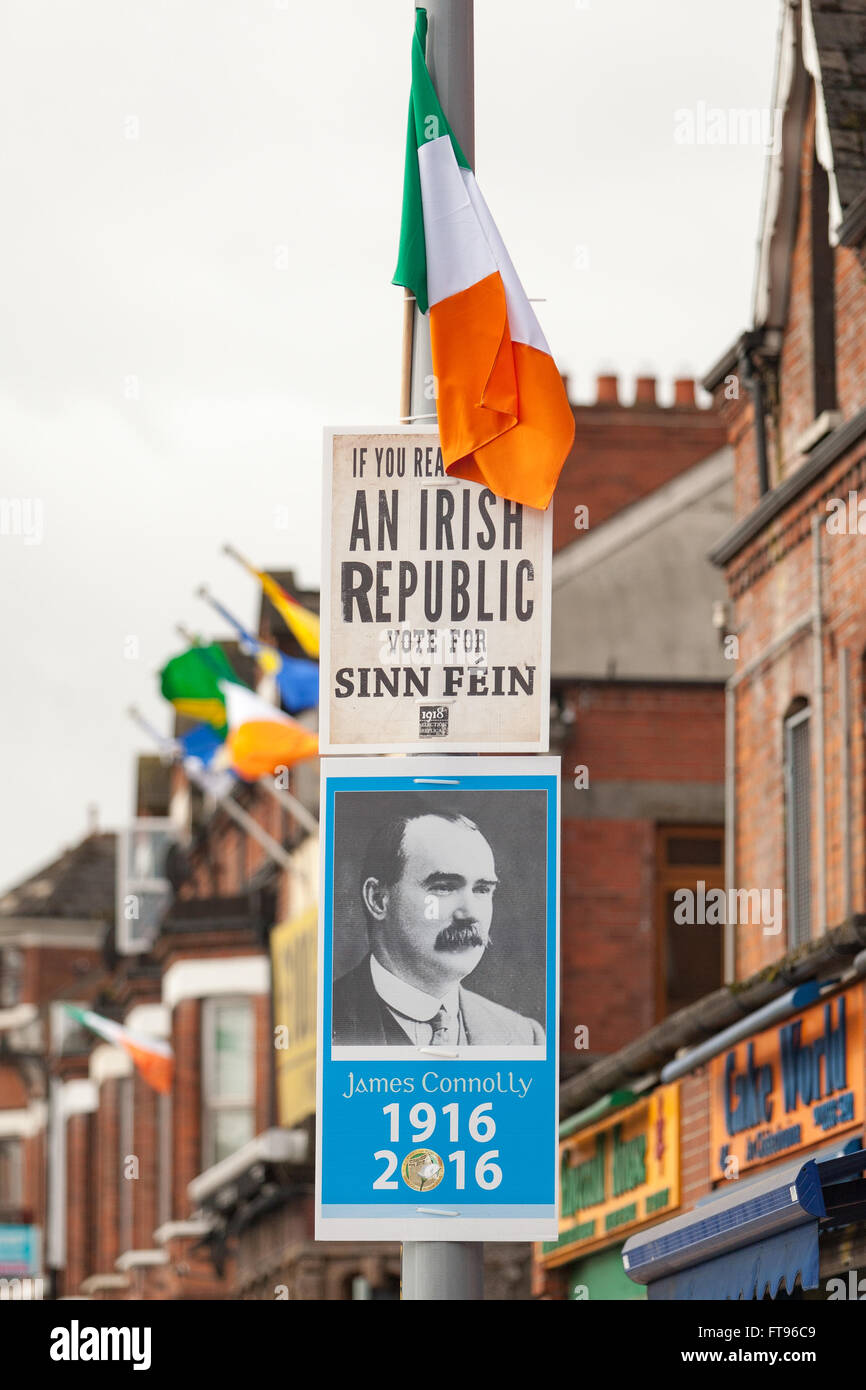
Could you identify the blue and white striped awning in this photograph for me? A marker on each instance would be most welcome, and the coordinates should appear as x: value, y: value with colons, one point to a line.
x: 753, y: 1239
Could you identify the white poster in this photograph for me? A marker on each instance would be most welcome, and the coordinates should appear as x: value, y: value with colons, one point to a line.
x: 435, y: 604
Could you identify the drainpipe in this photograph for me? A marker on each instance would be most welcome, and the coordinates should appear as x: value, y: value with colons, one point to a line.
x: 755, y: 387
x: 845, y: 718
x: 818, y: 677
x: 730, y: 938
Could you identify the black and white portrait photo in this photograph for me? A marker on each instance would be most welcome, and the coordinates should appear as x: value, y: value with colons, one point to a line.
x: 440, y: 903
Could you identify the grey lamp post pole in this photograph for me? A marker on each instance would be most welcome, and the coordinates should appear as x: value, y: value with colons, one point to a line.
x: 444, y: 1269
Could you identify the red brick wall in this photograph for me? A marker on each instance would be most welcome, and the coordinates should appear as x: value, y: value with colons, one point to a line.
x: 771, y: 584
x: 106, y: 1164
x: 624, y: 734
x: 186, y: 1102
x: 49, y: 969
x: 608, y: 942
x: 739, y: 416
x: 60, y: 968
x: 80, y: 1228
x: 796, y: 395
x: 33, y: 1184
x: 647, y: 732
x: 13, y: 1091
x: 694, y: 1137
x: 850, y: 339
x: 146, y: 1148
x: 773, y: 587
x: 233, y: 857
x: 795, y: 411
x: 621, y: 453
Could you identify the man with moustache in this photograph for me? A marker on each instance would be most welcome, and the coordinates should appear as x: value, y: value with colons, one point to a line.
x: 427, y: 886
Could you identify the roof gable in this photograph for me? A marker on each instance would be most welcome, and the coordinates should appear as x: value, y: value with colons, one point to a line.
x: 77, y: 886
x: 615, y: 589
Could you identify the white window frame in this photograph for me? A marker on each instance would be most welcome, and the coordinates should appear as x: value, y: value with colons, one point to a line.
x: 128, y: 944
x: 11, y: 972
x: 164, y: 1192
x: 210, y: 1103
x: 10, y: 1203
x: 126, y: 1146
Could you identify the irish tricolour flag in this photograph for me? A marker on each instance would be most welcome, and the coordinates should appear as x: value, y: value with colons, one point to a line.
x: 504, y: 417
x: 153, y: 1057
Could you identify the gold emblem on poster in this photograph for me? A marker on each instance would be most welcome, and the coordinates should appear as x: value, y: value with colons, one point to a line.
x: 422, y: 1170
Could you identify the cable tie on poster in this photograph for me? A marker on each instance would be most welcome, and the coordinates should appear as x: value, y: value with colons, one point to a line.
x: 436, y: 1052
x: 407, y: 419
x: 438, y: 781
x: 435, y: 1211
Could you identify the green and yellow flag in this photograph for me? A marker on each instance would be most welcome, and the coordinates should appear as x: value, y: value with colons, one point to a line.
x: 191, y: 683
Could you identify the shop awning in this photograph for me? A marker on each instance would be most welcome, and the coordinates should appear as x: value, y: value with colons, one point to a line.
x: 765, y: 1266
x: 755, y: 1238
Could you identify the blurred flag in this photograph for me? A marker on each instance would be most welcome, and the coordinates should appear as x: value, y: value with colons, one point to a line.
x: 201, y: 743
x: 504, y: 416
x: 303, y: 624
x: 261, y: 738
x: 153, y: 1057
x: 297, y: 679
x: 191, y: 682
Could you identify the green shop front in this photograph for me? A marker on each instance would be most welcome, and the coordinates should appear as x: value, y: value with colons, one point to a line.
x: 619, y: 1171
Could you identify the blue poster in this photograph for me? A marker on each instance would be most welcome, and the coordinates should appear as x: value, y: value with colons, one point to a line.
x: 20, y: 1249
x: 438, y: 999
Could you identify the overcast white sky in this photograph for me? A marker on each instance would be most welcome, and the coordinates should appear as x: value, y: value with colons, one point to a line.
x: 201, y: 206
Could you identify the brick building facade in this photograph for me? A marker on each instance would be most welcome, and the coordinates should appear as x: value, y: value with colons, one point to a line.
x: 53, y: 928
x: 638, y: 702
x: 792, y: 394
x: 203, y: 1195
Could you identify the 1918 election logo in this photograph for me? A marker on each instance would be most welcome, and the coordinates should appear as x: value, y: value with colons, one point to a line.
x: 433, y: 721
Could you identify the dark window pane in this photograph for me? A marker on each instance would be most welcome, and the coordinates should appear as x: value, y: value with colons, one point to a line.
x: 693, y: 959
x: 690, y: 849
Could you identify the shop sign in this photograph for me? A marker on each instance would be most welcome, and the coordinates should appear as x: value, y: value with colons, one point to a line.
x: 293, y: 962
x: 789, y: 1087
x: 617, y: 1176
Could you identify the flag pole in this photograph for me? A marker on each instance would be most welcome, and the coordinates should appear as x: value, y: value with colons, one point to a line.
x: 236, y: 555
x: 291, y: 803
x: 443, y: 1269
x: 406, y: 357
x: 204, y: 592
x: 170, y: 748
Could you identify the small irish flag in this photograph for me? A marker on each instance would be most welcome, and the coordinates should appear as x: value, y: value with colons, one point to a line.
x: 261, y: 738
x: 153, y: 1057
x: 504, y: 416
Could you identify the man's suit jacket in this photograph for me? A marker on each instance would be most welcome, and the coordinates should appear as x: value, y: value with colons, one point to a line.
x: 362, y: 1019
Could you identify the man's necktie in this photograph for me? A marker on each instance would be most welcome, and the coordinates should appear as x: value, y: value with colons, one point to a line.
x: 444, y: 1031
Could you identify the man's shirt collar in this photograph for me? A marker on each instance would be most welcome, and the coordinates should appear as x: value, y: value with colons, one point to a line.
x: 406, y: 999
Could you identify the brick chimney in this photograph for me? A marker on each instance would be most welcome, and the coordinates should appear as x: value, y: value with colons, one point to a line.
x: 607, y: 390
x: 684, y: 391
x: 645, y: 390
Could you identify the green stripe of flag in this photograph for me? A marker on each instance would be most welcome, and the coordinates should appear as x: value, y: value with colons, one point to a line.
x: 427, y: 121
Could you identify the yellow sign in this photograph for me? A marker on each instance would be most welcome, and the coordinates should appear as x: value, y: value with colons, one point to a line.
x: 617, y: 1175
x: 293, y: 961
x: 793, y: 1086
